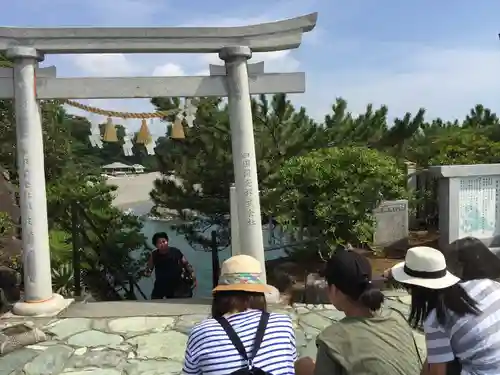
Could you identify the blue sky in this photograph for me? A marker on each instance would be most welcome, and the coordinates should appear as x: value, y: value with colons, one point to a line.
x: 441, y: 55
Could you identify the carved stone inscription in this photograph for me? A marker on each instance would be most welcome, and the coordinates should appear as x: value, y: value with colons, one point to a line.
x: 391, y: 223
x: 249, y: 190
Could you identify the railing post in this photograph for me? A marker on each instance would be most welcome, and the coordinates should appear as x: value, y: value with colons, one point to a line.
x: 215, y: 259
x: 75, y: 233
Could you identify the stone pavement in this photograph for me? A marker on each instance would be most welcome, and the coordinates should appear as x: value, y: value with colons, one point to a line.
x: 132, y: 338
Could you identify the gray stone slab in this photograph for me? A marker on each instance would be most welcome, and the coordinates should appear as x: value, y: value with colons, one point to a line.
x: 152, y: 367
x: 50, y: 361
x: 49, y: 71
x: 220, y: 70
x: 147, y: 87
x: 136, y: 324
x: 187, y: 322
x: 103, y: 358
x: 473, y: 170
x: 265, y: 37
x: 117, y: 309
x: 94, y: 371
x: 16, y: 360
x: 168, y: 345
x: 94, y: 339
x: 309, y: 351
x: 68, y: 327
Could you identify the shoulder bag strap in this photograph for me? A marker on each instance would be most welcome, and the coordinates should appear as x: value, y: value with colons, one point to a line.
x: 259, y: 336
x: 412, y: 335
x: 233, y: 336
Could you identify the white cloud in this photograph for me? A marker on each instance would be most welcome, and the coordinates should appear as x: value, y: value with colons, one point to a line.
x: 168, y: 69
x: 105, y: 64
x: 445, y: 82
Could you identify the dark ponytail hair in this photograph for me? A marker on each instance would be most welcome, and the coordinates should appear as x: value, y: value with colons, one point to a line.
x: 372, y: 298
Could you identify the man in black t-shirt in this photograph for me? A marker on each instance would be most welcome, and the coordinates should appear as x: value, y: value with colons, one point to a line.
x: 174, y: 276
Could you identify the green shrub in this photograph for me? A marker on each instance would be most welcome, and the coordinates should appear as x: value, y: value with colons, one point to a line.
x: 331, y: 193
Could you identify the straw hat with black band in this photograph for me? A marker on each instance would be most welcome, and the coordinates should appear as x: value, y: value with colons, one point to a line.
x: 241, y: 273
x: 426, y: 267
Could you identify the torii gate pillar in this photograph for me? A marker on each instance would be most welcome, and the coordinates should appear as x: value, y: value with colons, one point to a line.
x: 38, y: 297
x: 243, y: 148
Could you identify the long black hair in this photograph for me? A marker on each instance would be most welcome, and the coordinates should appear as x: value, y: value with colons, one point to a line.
x: 470, y: 259
x: 453, y: 298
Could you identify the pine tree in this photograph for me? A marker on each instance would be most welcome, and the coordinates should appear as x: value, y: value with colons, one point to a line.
x: 197, y: 172
x: 203, y: 167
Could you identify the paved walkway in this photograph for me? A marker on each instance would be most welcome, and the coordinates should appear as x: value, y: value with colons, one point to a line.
x: 132, y: 338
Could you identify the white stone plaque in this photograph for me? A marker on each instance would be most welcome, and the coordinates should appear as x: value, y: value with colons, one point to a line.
x: 479, y: 208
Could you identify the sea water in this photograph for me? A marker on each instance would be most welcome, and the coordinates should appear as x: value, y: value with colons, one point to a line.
x: 200, y: 260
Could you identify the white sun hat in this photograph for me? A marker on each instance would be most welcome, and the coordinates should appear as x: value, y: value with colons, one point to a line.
x: 424, y: 266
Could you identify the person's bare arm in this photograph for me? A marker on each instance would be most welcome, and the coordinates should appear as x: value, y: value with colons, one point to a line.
x: 324, y: 365
x: 434, y: 368
x: 149, y: 266
x: 387, y: 274
x: 190, y: 269
x: 304, y: 366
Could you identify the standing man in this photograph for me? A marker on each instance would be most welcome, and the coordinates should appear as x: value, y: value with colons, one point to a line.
x: 174, y: 276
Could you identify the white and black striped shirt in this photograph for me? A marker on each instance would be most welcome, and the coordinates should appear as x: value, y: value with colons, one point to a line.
x: 473, y: 339
x: 210, y: 352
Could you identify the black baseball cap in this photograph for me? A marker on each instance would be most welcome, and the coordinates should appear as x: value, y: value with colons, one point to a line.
x: 349, y: 271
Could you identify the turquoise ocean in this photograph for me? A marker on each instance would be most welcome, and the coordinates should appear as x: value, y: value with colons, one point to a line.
x: 201, y: 260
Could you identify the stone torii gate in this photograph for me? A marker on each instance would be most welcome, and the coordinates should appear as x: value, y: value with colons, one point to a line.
x: 237, y: 80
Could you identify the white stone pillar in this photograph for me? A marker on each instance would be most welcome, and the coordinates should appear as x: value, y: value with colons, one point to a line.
x: 235, y: 228
x: 38, y: 296
x: 243, y: 146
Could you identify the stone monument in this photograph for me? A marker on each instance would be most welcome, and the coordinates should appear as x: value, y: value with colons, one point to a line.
x: 391, y: 228
x: 469, y: 203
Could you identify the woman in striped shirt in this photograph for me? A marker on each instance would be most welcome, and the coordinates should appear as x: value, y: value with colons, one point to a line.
x: 239, y: 300
x: 461, y: 319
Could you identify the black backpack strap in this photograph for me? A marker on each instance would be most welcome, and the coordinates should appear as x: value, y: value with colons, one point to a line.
x: 259, y: 336
x: 233, y: 336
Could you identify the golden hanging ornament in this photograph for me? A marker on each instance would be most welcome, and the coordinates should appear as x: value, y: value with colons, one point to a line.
x: 144, y: 135
x: 110, y: 131
x: 177, y: 129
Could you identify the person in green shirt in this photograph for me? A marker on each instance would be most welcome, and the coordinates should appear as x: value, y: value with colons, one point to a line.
x: 369, y: 340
